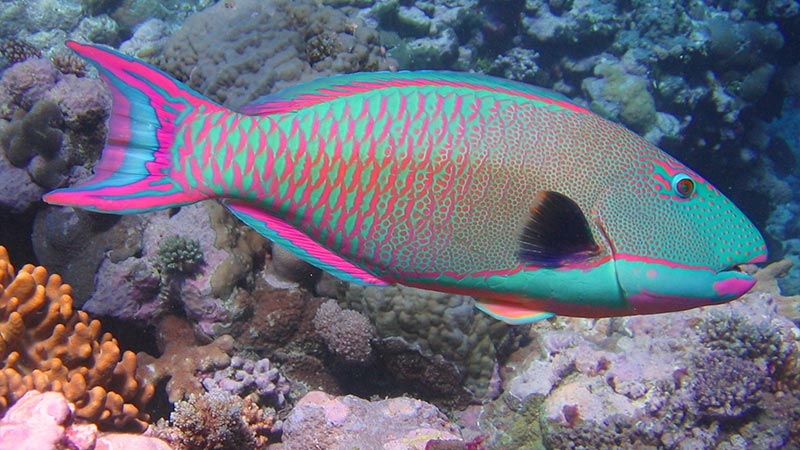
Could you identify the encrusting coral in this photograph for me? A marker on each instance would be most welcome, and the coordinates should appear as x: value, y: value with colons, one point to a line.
x: 47, y: 346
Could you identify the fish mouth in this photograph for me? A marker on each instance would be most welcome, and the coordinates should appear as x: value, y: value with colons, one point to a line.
x: 735, y: 280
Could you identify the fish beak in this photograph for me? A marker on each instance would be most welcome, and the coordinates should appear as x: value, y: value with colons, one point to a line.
x: 734, y: 282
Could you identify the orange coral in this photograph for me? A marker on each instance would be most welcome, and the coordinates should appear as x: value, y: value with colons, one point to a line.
x: 46, y: 346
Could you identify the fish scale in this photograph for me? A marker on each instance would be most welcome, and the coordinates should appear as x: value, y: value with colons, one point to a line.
x: 451, y: 182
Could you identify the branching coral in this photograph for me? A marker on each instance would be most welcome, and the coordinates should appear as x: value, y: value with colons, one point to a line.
x: 47, y: 346
x: 67, y: 63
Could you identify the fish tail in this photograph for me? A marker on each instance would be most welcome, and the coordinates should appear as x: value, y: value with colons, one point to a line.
x: 136, y: 172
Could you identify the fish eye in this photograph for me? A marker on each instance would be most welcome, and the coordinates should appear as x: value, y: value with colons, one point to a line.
x: 683, y: 185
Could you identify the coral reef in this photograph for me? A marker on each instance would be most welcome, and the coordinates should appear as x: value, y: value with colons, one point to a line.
x: 50, y: 124
x: 47, y: 346
x: 703, y: 79
x: 320, y: 420
x: 44, y: 421
x: 148, y: 39
x: 133, y: 282
x: 74, y: 244
x: 707, y: 378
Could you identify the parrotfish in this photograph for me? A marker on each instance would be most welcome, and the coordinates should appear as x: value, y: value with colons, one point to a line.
x: 453, y: 182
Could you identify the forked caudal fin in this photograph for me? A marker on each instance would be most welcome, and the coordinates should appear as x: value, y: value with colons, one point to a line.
x: 135, y: 172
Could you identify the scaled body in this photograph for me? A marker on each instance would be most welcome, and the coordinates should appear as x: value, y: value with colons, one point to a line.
x: 445, y: 181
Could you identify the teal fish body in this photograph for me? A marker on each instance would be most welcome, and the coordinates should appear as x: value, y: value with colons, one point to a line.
x: 450, y: 182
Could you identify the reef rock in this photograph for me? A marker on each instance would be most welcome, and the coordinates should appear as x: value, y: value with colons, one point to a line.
x: 320, y: 420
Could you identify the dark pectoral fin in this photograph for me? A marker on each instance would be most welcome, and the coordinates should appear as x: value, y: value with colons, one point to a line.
x: 557, y: 232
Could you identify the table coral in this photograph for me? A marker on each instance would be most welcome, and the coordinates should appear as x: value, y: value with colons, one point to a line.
x: 47, y: 346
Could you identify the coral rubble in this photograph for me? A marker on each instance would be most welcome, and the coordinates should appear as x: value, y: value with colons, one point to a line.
x: 47, y: 346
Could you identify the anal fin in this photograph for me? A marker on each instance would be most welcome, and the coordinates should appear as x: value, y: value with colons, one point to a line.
x: 283, y: 233
x: 511, y: 312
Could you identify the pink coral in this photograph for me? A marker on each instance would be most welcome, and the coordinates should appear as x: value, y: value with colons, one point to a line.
x: 46, y: 421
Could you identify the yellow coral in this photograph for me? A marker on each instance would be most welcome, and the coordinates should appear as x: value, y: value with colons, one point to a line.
x: 46, y: 346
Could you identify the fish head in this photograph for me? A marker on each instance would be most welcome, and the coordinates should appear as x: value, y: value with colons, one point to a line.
x: 676, y: 241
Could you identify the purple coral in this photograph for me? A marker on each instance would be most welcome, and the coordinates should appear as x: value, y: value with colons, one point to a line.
x: 726, y: 387
x: 26, y: 83
x: 247, y: 376
x: 85, y: 102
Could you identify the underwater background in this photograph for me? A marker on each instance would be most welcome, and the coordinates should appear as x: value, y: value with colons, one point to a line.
x: 199, y: 333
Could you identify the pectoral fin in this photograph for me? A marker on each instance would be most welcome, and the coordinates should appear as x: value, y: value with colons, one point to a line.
x: 557, y: 232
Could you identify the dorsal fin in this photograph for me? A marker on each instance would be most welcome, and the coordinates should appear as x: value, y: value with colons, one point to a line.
x: 557, y: 232
x: 324, y: 89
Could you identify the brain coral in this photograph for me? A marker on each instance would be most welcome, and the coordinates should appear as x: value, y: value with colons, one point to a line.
x: 46, y: 346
